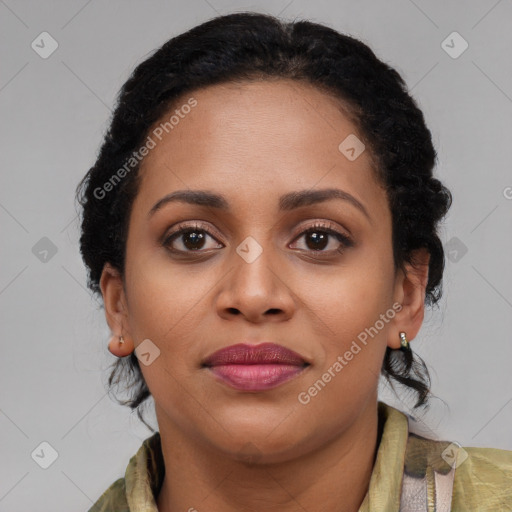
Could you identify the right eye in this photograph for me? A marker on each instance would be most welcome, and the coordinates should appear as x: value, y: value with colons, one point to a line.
x: 191, y: 238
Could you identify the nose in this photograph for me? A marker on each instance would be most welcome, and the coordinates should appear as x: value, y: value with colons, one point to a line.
x: 257, y: 291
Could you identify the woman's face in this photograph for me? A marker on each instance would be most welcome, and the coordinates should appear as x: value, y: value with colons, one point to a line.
x: 250, y: 273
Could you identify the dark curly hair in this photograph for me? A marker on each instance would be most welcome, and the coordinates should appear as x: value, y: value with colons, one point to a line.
x: 251, y: 46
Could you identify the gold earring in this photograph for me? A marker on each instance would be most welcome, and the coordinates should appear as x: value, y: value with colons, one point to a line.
x: 121, y: 340
x: 404, y: 344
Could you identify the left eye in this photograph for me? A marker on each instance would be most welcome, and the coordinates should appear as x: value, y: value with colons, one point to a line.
x: 317, y: 238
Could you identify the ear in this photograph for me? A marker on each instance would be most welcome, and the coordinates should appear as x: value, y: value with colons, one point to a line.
x: 410, y: 293
x: 112, y: 289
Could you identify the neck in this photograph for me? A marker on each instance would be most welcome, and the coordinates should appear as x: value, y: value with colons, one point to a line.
x: 200, y: 478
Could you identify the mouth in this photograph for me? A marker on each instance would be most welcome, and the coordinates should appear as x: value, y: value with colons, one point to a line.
x: 255, y: 367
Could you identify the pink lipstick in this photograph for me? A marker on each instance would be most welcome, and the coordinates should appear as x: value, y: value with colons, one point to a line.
x: 255, y: 367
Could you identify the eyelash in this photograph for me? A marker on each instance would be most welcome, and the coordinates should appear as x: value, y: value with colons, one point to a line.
x: 327, y: 227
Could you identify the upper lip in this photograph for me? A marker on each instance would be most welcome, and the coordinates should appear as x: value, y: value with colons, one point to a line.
x: 264, y: 353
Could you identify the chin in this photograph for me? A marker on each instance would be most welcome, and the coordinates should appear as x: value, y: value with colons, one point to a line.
x: 258, y: 446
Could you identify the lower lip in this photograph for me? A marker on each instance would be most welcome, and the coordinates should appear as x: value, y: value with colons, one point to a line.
x: 255, y: 377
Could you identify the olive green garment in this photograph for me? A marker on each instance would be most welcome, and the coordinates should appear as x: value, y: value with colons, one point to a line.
x: 483, y: 481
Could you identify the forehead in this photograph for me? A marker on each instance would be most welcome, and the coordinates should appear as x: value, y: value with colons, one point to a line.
x: 249, y: 139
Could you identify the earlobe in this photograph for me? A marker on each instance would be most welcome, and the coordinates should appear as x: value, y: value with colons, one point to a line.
x: 118, y: 346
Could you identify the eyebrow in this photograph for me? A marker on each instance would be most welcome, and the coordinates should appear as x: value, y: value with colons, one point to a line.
x: 287, y: 202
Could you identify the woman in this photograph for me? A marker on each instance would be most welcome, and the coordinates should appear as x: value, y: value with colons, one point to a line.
x: 261, y: 223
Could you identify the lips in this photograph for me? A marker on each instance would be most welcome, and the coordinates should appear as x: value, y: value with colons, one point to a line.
x: 264, y: 353
x: 255, y: 367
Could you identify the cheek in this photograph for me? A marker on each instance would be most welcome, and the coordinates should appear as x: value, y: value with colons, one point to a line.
x: 163, y: 303
x: 163, y: 307
x: 353, y: 339
x: 350, y: 297
x: 346, y: 310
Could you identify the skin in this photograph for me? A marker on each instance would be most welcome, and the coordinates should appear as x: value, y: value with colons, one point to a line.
x: 253, y: 142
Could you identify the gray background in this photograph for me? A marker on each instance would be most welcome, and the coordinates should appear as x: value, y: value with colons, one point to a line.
x: 54, y: 111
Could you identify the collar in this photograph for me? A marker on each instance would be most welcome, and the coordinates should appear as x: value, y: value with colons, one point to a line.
x: 386, y: 480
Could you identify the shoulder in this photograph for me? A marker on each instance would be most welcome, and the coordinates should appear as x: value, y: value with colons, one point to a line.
x: 143, y: 477
x: 113, y: 499
x: 483, y: 477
